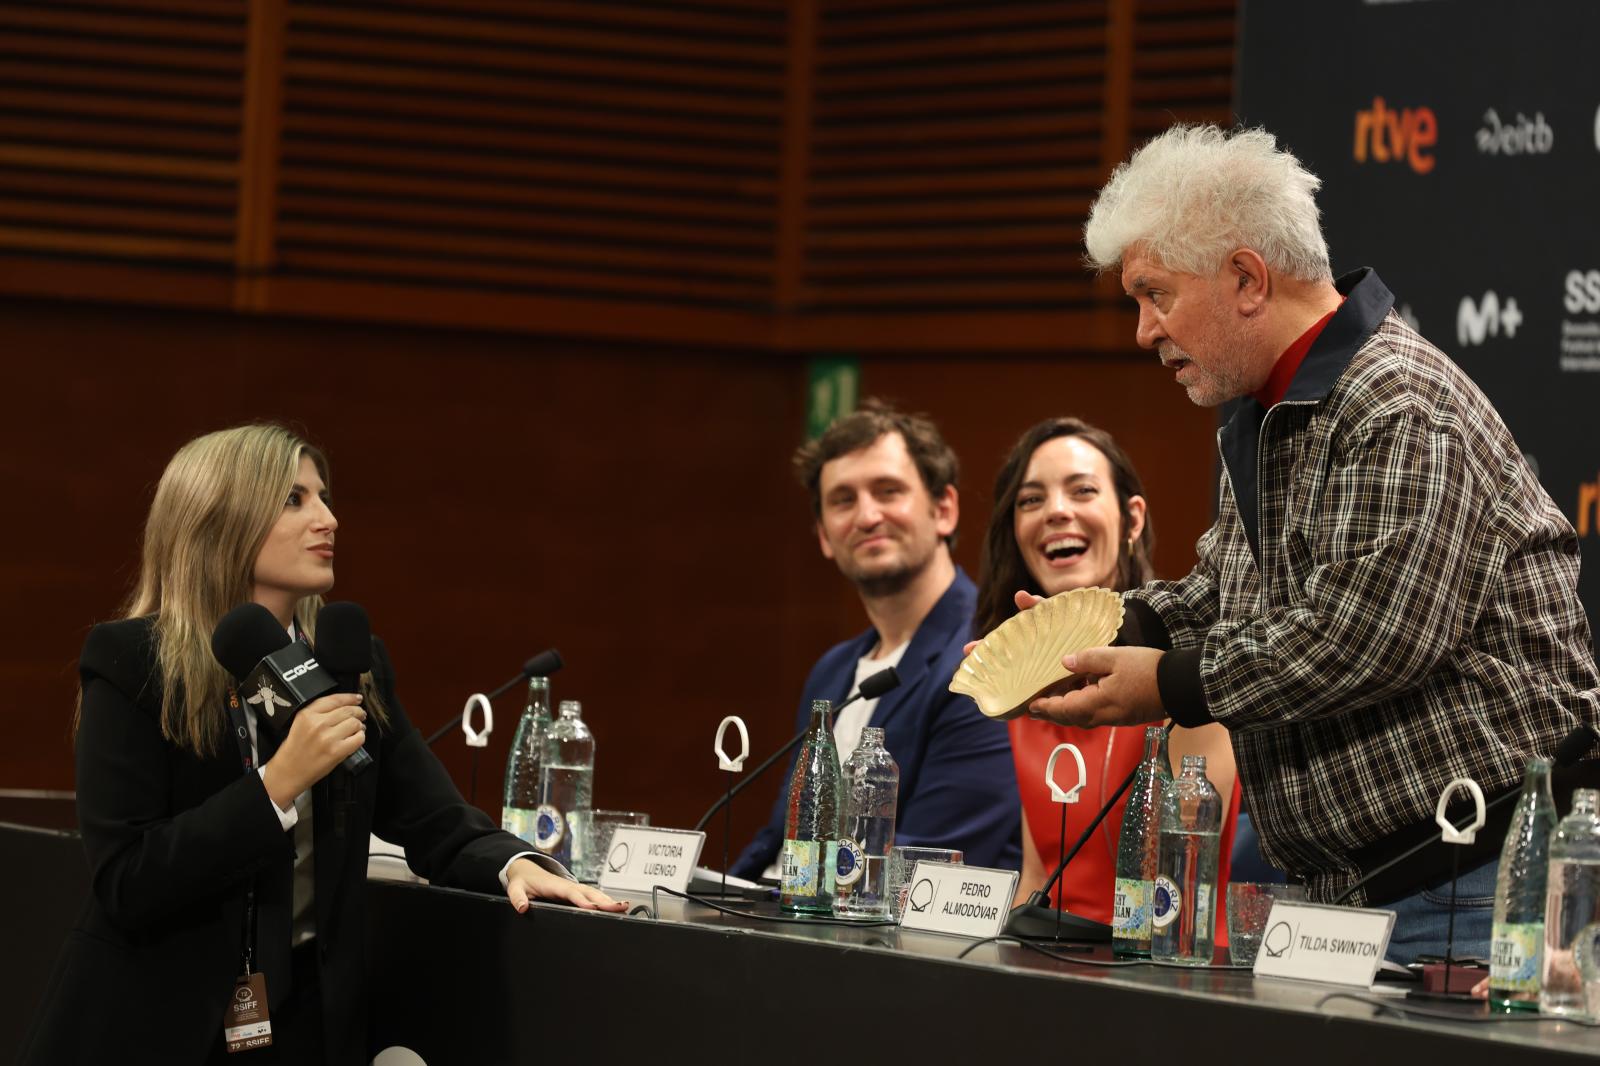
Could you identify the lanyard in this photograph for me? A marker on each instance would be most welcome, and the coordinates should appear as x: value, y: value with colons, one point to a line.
x: 241, y: 733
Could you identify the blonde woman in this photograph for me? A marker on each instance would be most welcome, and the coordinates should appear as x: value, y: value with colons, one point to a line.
x: 205, y: 847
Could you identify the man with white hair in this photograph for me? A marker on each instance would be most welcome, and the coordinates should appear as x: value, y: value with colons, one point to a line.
x: 1388, y: 598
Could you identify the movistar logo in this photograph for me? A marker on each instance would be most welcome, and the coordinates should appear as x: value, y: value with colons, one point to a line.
x: 1477, y: 322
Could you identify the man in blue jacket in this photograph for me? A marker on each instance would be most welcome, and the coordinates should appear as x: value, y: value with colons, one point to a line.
x: 883, y: 488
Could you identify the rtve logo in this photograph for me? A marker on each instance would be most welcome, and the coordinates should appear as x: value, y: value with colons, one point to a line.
x: 1588, y: 504
x: 1475, y: 323
x: 1392, y: 136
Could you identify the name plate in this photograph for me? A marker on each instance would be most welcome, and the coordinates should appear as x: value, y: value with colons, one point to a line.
x: 1315, y: 942
x: 959, y: 900
x: 640, y: 857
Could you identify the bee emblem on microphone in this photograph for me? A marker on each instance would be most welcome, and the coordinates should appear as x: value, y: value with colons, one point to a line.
x: 267, y: 700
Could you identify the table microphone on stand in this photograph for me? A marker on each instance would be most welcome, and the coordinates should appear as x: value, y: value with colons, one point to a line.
x: 1569, y: 751
x: 1038, y: 919
x: 544, y: 664
x: 871, y: 688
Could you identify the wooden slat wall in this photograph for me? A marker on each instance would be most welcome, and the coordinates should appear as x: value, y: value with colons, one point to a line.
x: 954, y: 154
x: 119, y: 144
x: 875, y: 174
x: 1182, y: 64
x: 624, y: 151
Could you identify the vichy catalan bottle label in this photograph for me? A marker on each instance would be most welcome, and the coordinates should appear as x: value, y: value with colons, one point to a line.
x: 1130, y: 909
x: 1167, y: 902
x: 1514, y: 956
x: 519, y: 822
x: 805, y: 867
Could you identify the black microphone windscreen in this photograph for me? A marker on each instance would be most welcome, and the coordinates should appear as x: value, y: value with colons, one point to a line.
x: 879, y: 683
x: 544, y: 664
x: 246, y: 635
x: 1575, y: 745
x: 344, y: 640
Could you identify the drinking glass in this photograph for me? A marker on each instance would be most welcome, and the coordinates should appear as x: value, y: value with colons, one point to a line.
x: 902, y: 861
x: 598, y: 843
x: 1249, y: 903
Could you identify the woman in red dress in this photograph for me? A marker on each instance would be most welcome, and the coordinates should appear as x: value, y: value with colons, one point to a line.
x: 1070, y: 513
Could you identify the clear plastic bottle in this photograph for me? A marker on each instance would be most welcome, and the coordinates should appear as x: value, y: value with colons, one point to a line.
x: 1183, y: 913
x: 521, y: 801
x: 811, y: 826
x: 1139, y: 849
x: 1572, y: 905
x: 871, y: 791
x: 566, y: 789
x: 1519, y: 895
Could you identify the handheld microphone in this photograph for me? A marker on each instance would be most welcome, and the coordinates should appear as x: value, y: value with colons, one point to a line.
x: 871, y: 688
x: 1038, y: 920
x: 277, y: 676
x: 543, y: 664
x: 1569, y: 751
x: 344, y: 649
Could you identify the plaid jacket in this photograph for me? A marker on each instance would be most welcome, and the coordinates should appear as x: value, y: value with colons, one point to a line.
x: 1388, y: 599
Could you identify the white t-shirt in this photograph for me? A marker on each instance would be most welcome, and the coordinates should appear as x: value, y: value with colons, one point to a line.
x: 854, y: 718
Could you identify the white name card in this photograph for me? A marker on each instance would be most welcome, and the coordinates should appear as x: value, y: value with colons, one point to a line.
x: 640, y: 857
x: 1316, y: 942
x: 960, y: 900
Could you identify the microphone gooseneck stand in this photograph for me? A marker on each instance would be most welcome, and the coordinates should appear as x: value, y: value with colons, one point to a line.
x: 1572, y: 748
x: 542, y: 665
x: 871, y: 688
x: 1038, y: 920
x: 733, y: 765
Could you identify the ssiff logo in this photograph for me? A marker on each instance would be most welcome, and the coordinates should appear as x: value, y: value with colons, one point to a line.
x: 1476, y: 322
x: 1391, y: 135
x: 1582, y: 292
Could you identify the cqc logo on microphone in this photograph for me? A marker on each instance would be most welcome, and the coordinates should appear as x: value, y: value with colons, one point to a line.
x: 1477, y: 321
x: 304, y: 668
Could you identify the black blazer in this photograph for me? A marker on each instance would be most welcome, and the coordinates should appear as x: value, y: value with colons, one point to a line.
x: 174, y: 840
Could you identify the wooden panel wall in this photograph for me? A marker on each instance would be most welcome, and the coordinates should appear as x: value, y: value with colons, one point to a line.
x: 542, y: 274
x: 497, y: 495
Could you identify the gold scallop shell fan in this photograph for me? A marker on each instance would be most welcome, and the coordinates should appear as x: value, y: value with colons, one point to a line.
x: 1022, y: 656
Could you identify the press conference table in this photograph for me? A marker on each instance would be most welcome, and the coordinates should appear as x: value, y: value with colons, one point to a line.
x: 461, y: 978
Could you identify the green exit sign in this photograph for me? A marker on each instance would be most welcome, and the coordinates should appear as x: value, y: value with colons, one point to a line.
x: 833, y: 386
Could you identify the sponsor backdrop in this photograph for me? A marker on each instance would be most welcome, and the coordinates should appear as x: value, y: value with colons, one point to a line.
x: 1459, y: 146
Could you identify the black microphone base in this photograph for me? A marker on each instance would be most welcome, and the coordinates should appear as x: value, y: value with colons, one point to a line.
x: 1034, y: 921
